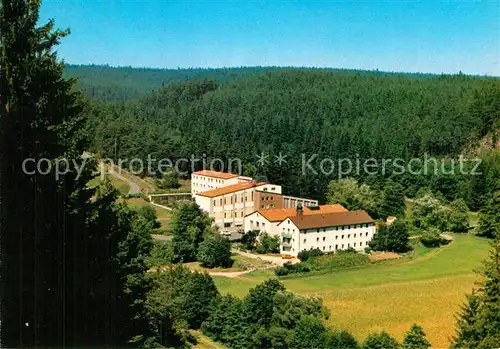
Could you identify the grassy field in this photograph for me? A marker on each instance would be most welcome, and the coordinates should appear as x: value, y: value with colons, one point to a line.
x: 241, y: 263
x: 426, y: 288
x: 120, y: 185
x: 184, y: 188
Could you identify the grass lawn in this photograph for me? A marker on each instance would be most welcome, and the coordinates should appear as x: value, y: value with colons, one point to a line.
x: 241, y: 263
x: 121, y: 186
x: 184, y: 188
x: 427, y: 289
x: 205, y: 342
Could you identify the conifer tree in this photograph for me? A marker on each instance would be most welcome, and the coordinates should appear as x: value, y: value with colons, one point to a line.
x: 68, y: 262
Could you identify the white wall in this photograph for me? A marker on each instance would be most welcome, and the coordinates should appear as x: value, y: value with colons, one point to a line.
x: 256, y: 221
x: 200, y: 183
x: 328, y: 239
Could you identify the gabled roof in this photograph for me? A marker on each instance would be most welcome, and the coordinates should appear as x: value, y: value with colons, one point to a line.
x: 216, y: 174
x: 330, y: 219
x: 279, y: 214
x: 229, y: 189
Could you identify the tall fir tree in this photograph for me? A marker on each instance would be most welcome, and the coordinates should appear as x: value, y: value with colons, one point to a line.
x: 65, y: 259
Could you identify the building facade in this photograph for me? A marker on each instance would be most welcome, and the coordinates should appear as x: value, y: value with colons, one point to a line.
x: 229, y: 205
x: 266, y: 221
x: 208, y: 180
x: 329, y: 232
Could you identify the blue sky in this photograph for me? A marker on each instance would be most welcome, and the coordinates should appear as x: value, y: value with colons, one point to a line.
x: 423, y: 36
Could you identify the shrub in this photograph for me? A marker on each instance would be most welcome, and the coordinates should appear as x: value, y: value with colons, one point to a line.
x: 432, y: 238
x: 249, y: 239
x: 305, y: 255
x: 162, y: 253
x: 289, y: 268
x: 268, y: 244
x: 368, y: 249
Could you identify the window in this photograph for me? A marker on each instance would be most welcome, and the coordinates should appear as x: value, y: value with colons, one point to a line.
x: 257, y: 223
x: 354, y: 244
x: 317, y: 230
x: 342, y: 245
x: 227, y: 225
x: 366, y: 234
x: 221, y: 202
x: 215, y: 203
x: 251, y: 223
x: 342, y: 237
x: 305, y: 240
x: 323, y: 248
x: 330, y: 248
x: 226, y: 215
x: 263, y: 224
x: 348, y: 236
x: 317, y: 239
x: 324, y: 238
x: 348, y: 245
x: 361, y: 243
x: 336, y: 246
x: 336, y: 237
x: 241, y: 213
x: 343, y: 227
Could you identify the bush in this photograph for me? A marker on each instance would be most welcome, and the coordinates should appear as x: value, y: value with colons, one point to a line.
x: 268, y: 244
x: 249, y: 239
x: 162, y: 254
x: 289, y: 268
x: 368, y: 249
x: 305, y: 255
x: 432, y: 238
x: 215, y: 251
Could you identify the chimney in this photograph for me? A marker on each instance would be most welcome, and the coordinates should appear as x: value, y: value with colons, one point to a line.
x: 300, y: 210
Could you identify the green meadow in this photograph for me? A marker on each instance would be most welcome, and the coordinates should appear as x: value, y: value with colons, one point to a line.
x: 427, y: 287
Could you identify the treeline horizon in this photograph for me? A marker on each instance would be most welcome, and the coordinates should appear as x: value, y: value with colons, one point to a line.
x: 332, y: 114
x: 107, y: 82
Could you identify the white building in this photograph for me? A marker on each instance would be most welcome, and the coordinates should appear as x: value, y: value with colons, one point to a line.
x: 207, y: 180
x: 267, y: 220
x: 229, y: 205
x: 328, y: 232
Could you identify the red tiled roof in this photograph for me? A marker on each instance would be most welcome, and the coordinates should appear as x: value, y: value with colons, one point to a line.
x: 331, y: 219
x: 216, y: 174
x: 229, y: 189
x: 279, y: 214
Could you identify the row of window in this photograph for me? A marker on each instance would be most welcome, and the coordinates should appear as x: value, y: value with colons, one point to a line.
x: 336, y: 247
x: 232, y: 214
x: 207, y: 179
x: 343, y: 227
x: 342, y: 236
x: 231, y: 199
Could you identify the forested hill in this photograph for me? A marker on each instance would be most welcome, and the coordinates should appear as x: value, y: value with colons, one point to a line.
x: 331, y: 114
x: 119, y: 83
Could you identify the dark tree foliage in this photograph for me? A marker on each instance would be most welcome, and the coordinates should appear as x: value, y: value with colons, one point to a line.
x: 392, y: 238
x: 334, y: 114
x: 180, y: 299
x: 489, y: 218
x: 381, y: 340
x: 478, y: 323
x: 189, y: 226
x: 249, y: 239
x: 69, y: 264
x: 215, y: 251
x: 415, y: 338
x: 306, y: 254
